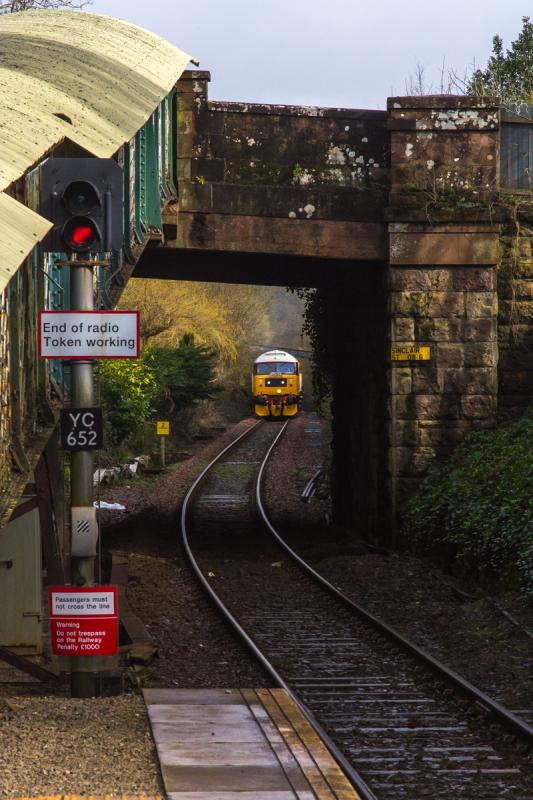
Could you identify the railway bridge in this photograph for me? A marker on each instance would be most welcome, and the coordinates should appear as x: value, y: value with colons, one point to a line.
x: 414, y: 224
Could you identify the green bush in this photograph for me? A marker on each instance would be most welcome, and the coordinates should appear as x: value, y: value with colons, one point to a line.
x: 184, y: 374
x: 478, y: 507
x: 166, y: 379
x: 128, y: 389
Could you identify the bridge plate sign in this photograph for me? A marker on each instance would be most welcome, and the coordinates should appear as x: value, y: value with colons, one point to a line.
x: 88, y: 334
x: 83, y: 622
x: 410, y: 352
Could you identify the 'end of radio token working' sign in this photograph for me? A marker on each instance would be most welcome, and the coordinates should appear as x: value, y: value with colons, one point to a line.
x: 88, y: 334
x: 81, y: 428
x: 83, y: 622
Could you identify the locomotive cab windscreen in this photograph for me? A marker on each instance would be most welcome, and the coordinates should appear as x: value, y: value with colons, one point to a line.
x: 272, y: 367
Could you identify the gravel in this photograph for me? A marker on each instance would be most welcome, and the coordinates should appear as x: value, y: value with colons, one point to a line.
x: 196, y: 648
x: 53, y: 745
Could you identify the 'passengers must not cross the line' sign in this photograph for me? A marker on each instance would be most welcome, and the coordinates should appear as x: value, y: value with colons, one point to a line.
x: 83, y: 621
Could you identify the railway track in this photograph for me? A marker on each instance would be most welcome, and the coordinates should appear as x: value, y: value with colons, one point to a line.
x: 400, y: 723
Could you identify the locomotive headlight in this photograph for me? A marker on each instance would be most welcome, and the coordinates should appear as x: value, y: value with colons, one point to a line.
x: 279, y: 391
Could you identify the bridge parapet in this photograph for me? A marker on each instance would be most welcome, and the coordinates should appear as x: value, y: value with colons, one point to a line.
x: 290, y: 180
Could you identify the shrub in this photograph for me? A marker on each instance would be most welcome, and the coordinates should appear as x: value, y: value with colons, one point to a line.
x: 479, y: 505
x: 184, y: 374
x: 128, y: 389
x: 166, y: 379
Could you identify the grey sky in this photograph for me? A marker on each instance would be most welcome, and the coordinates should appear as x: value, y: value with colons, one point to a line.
x: 325, y: 52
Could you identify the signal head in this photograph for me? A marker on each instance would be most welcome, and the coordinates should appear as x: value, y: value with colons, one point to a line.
x: 84, y: 198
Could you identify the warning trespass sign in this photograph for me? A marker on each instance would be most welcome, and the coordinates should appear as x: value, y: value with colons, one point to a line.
x: 83, y: 621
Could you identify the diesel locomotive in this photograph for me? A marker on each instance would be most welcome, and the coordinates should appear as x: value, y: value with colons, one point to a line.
x: 276, y: 384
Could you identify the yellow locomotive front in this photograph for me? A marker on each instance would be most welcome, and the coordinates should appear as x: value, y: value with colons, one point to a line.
x: 276, y: 384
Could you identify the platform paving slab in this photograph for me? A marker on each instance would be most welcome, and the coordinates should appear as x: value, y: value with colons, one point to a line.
x: 241, y: 795
x: 233, y: 744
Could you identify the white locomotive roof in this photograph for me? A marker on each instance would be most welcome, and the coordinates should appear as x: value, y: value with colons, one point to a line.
x: 275, y: 355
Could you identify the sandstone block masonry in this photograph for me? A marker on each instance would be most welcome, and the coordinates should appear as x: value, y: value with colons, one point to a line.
x: 283, y: 180
x: 515, y: 307
x: 442, y: 278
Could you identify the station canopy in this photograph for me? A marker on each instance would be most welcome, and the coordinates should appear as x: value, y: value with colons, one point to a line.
x: 89, y: 78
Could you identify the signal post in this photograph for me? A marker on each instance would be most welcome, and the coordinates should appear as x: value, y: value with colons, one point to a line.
x: 83, y: 197
x: 82, y: 567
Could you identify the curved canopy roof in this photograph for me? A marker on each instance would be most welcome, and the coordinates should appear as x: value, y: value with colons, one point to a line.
x: 86, y: 77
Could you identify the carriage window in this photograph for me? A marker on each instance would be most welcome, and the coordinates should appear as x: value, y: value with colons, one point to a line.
x: 281, y: 367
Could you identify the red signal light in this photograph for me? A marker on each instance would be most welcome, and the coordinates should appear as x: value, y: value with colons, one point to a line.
x: 81, y: 235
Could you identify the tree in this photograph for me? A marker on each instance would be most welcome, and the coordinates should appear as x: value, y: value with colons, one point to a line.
x: 128, y: 388
x: 185, y: 374
x: 508, y: 74
x: 26, y: 5
x: 220, y: 316
x: 170, y: 380
x: 418, y: 84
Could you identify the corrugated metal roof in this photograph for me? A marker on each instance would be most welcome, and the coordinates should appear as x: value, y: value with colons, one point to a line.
x: 20, y: 230
x: 87, y: 77
x: 103, y: 75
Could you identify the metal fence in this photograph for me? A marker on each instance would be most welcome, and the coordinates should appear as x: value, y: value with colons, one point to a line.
x: 517, y: 147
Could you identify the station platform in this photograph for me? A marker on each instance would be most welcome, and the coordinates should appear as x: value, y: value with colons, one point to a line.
x: 240, y: 744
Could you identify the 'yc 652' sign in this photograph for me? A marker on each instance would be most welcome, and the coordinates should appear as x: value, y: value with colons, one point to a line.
x: 81, y: 428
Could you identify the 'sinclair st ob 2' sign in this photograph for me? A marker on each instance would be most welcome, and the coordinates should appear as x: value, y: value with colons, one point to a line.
x: 88, y: 334
x: 83, y: 622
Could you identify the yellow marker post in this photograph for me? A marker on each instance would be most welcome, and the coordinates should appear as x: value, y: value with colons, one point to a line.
x: 162, y: 430
x: 410, y: 352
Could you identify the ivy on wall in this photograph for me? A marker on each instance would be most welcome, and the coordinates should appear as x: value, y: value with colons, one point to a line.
x: 477, y: 508
x: 317, y: 326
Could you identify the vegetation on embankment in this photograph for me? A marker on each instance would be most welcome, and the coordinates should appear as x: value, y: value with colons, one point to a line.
x: 475, y: 512
x: 164, y: 381
x: 198, y: 344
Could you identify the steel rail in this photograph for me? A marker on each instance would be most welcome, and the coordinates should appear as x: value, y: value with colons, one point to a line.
x: 352, y: 775
x: 311, y: 485
x: 517, y: 726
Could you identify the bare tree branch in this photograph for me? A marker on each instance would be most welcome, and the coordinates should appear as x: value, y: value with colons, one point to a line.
x: 25, y: 5
x: 417, y: 84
